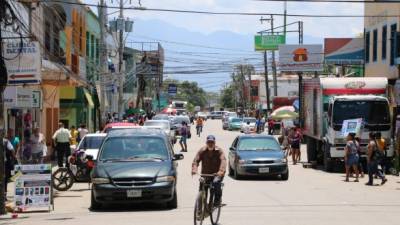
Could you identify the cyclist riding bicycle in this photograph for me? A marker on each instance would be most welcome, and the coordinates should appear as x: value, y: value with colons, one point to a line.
x: 199, y: 125
x: 213, y: 161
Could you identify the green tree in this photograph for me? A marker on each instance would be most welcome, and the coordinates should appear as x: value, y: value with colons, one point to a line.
x: 227, y: 99
x: 188, y: 91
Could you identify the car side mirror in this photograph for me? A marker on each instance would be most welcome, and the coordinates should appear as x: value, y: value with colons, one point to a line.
x: 178, y: 156
x: 232, y: 148
x: 172, y: 128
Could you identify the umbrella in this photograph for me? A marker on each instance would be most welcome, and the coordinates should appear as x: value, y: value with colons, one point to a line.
x: 132, y: 111
x: 285, y: 114
x: 168, y: 110
x: 283, y: 109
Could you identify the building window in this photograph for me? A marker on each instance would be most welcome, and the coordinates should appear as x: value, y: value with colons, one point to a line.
x: 367, y: 46
x: 87, y: 44
x: 375, y: 45
x: 393, y: 30
x: 384, y: 45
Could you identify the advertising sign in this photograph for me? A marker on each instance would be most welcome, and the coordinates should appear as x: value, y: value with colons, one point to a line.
x: 18, y: 97
x: 33, y: 187
x: 344, y: 51
x: 351, y: 126
x: 268, y: 42
x: 300, y: 58
x: 172, y: 89
x: 23, y: 63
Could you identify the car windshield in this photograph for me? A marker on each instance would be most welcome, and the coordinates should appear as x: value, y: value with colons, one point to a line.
x: 251, y: 120
x: 91, y: 142
x: 134, y: 148
x: 161, y: 117
x: 372, y: 112
x: 258, y: 144
x: 236, y: 120
x: 179, y: 120
x: 157, y: 123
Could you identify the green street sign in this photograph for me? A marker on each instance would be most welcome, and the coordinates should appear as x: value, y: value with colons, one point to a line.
x: 268, y: 42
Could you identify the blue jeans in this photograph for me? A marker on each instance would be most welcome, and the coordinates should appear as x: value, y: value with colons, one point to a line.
x: 373, y: 169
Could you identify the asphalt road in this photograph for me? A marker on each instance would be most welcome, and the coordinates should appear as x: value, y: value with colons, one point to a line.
x: 309, y: 197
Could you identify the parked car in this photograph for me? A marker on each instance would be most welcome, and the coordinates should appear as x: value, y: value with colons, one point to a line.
x: 234, y: 123
x: 252, y: 121
x: 165, y: 126
x: 257, y: 155
x: 164, y: 117
x: 118, y: 126
x: 91, y: 144
x: 177, y: 123
x: 216, y: 115
x: 135, y: 166
x: 208, y: 115
x: 203, y: 115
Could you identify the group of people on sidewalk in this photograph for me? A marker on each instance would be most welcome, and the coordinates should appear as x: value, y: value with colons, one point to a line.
x: 375, y: 158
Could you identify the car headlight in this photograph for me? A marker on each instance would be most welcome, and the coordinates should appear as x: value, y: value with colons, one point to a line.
x: 100, y: 180
x: 165, y: 179
x: 243, y: 161
x: 284, y: 160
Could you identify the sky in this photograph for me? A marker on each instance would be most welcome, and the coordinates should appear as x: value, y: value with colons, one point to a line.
x: 232, y: 32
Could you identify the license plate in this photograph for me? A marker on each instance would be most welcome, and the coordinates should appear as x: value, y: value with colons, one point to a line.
x: 134, y: 193
x: 263, y: 170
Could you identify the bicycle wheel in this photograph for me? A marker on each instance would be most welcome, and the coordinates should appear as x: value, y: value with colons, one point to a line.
x: 62, y: 179
x: 215, y: 211
x: 199, y: 209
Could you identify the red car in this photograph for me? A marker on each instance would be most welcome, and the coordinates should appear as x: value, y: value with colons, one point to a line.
x: 118, y: 126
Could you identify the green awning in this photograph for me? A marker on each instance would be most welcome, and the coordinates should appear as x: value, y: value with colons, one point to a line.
x: 88, y: 98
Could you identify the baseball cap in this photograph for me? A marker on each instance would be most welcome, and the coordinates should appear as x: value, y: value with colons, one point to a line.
x: 211, y: 138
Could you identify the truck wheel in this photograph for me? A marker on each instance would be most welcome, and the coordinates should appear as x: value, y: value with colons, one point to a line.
x: 328, y: 163
x: 311, y: 150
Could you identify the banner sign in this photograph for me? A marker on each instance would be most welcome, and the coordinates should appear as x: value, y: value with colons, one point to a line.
x: 344, y: 51
x: 33, y: 187
x: 23, y: 63
x: 19, y: 97
x: 351, y: 126
x: 268, y: 42
x: 301, y: 58
x: 172, y: 89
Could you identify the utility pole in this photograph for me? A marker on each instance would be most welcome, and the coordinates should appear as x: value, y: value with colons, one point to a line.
x: 273, y: 62
x: 103, y: 62
x: 266, y: 79
x: 3, y: 72
x: 121, y: 58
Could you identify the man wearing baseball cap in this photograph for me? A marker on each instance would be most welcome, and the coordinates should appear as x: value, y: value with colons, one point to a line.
x: 213, y: 161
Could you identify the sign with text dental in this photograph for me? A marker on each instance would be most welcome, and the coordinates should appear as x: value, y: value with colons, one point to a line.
x: 268, y: 42
x: 23, y: 62
x: 301, y: 58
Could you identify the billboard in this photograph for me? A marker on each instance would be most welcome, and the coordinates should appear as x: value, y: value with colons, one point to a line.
x: 300, y: 58
x: 268, y: 42
x: 344, y: 51
x: 23, y: 62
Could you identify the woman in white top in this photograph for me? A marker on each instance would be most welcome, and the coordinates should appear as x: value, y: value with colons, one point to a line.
x: 38, y: 146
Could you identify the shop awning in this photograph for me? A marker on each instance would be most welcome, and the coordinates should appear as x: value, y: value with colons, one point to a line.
x: 89, y: 98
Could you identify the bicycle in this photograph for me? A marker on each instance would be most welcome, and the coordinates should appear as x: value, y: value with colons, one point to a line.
x: 202, y: 208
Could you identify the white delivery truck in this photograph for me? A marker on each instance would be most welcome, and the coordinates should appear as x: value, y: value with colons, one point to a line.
x: 326, y: 102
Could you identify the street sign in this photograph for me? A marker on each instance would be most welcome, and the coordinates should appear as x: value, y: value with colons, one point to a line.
x: 301, y: 58
x: 23, y: 62
x: 172, y: 89
x: 268, y: 42
x: 18, y: 97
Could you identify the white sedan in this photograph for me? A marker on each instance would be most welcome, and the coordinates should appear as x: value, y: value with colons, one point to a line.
x: 91, y: 144
x: 248, y: 125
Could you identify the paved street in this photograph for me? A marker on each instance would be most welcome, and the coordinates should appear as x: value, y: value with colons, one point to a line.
x: 309, y: 197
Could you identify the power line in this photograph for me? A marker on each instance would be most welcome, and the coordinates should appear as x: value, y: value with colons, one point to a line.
x: 232, y: 13
x: 334, y: 1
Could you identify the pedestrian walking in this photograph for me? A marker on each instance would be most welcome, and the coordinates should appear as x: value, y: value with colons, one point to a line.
x: 381, y: 144
x: 362, y: 161
x: 10, y: 161
x: 294, y: 140
x: 74, y: 135
x: 39, y: 149
x: 374, y: 155
x: 351, y: 156
x: 61, y: 140
x: 184, y: 135
x: 16, y: 143
x: 82, y: 130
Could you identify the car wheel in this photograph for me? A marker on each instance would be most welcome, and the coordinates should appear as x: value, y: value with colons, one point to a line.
x: 285, y: 176
x: 236, y: 175
x: 94, y: 205
x: 173, y: 204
